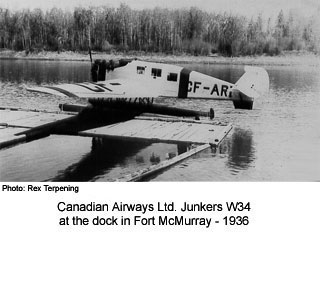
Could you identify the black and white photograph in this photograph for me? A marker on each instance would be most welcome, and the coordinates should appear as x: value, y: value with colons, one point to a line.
x: 221, y: 90
x: 211, y: 106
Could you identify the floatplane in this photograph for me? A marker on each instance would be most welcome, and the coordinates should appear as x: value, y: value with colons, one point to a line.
x: 121, y: 104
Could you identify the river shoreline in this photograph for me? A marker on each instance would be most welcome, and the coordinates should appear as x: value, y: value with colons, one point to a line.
x: 285, y: 59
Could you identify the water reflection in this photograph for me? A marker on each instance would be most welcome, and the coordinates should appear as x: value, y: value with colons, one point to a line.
x: 241, y: 150
x: 110, y: 159
x: 104, y: 155
x: 288, y: 78
x: 37, y: 72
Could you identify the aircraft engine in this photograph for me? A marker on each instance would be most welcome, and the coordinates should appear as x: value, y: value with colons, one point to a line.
x: 100, y: 67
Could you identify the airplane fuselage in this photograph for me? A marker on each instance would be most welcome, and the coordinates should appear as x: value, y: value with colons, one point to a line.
x: 135, y: 81
x: 175, y: 81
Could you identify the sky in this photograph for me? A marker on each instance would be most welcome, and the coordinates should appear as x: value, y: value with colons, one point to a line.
x: 244, y: 7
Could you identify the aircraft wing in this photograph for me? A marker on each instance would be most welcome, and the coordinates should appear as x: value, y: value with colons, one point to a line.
x: 118, y: 88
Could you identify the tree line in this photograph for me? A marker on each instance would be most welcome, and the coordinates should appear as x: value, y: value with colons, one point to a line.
x: 163, y: 30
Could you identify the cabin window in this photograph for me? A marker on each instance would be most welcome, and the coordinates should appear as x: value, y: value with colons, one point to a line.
x: 140, y: 70
x: 172, y: 77
x: 155, y: 72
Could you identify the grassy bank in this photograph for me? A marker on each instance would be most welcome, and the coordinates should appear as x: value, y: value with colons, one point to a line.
x: 285, y: 59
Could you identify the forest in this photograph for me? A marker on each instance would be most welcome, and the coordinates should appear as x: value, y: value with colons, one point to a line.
x: 160, y: 30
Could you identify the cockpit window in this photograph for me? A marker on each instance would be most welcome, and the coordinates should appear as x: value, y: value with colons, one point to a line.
x: 140, y: 70
x: 155, y: 72
x: 172, y: 77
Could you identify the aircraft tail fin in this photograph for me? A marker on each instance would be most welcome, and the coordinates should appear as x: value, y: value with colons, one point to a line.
x: 253, y: 83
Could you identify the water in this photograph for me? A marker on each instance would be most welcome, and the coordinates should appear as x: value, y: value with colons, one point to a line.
x: 277, y: 141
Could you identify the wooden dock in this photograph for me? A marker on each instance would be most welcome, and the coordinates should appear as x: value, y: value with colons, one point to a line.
x: 199, y: 134
x: 167, y: 130
x: 13, y: 121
